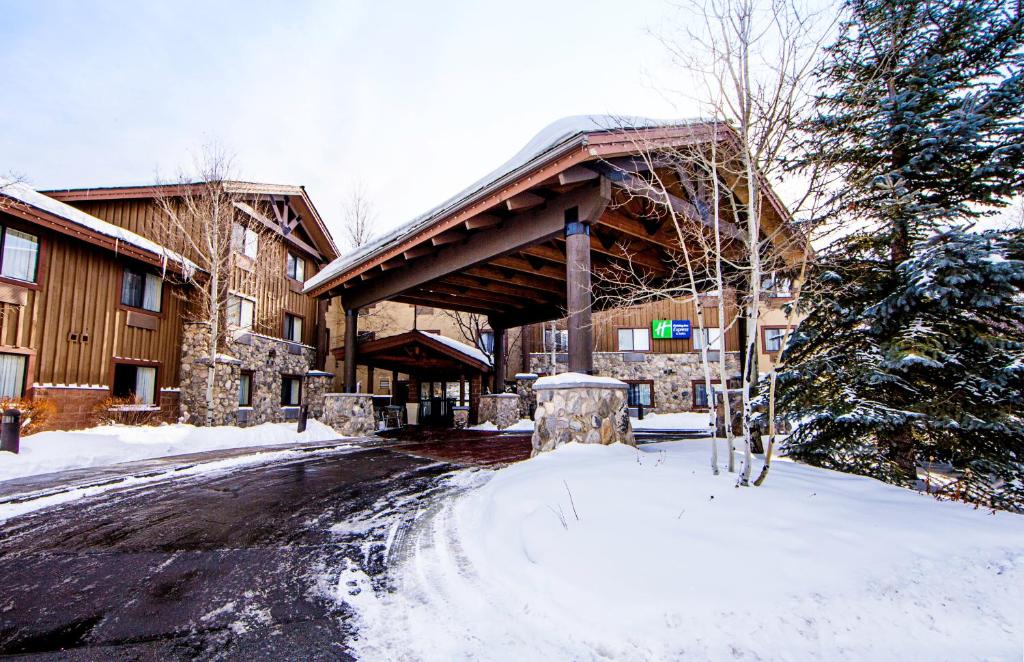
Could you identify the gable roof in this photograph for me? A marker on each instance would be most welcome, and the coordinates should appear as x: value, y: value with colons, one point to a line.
x: 296, y: 195
x: 26, y: 202
x: 459, y: 352
x: 554, y: 140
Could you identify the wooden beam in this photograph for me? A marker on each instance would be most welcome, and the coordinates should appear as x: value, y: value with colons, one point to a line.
x: 524, y: 229
x: 524, y: 200
x: 476, y: 294
x: 418, y: 251
x: 449, y: 237
x: 577, y: 174
x: 447, y: 304
x: 548, y: 272
x: 518, y: 278
x: 481, y: 221
x: 501, y: 286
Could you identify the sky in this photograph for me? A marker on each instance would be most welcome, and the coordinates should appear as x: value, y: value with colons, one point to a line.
x: 410, y: 101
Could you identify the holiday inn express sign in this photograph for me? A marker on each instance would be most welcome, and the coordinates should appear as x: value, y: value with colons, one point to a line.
x: 669, y: 329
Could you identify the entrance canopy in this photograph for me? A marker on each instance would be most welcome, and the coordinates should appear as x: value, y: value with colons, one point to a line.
x: 557, y: 230
x: 418, y: 352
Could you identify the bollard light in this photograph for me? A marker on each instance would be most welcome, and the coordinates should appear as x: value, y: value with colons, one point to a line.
x: 10, y: 431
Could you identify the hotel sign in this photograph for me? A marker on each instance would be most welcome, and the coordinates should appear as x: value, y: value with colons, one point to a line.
x: 671, y: 329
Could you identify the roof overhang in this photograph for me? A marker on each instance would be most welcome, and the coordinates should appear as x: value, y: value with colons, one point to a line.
x: 415, y: 351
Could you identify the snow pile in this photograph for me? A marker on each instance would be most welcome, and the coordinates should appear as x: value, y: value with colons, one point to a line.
x: 612, y: 552
x: 569, y: 379
x: 47, y: 452
x: 687, y: 420
x: 460, y: 347
x: 522, y: 425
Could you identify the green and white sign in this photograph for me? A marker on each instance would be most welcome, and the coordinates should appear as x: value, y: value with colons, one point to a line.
x: 670, y: 329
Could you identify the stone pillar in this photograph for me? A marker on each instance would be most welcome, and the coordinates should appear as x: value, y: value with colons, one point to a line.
x: 226, y: 376
x: 573, y: 407
x: 350, y: 414
x: 460, y: 417
x: 502, y: 409
x: 499, y: 360
x: 316, y: 383
x: 578, y: 293
x: 351, y: 332
x: 527, y: 398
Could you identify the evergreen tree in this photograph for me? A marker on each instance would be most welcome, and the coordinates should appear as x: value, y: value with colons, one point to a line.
x: 912, y: 333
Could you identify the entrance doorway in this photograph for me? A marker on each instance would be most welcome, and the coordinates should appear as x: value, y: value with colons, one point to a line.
x: 436, y: 402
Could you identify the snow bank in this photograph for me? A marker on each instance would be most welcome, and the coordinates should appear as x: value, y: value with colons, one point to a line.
x: 568, y: 379
x: 522, y: 425
x: 47, y: 452
x: 687, y: 420
x: 611, y: 552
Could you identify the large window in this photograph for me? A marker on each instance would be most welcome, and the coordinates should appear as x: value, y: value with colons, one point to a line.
x: 296, y: 267
x: 12, y: 375
x: 135, y: 381
x: 700, y: 394
x: 20, y: 255
x: 241, y: 311
x: 641, y: 393
x: 291, y: 391
x: 245, y: 389
x: 774, y: 339
x: 711, y: 338
x: 634, y: 340
x: 557, y: 340
x: 140, y: 289
x: 292, y: 327
x: 777, y: 287
x: 245, y: 241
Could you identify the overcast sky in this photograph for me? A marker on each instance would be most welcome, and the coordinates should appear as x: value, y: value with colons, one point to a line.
x: 416, y: 100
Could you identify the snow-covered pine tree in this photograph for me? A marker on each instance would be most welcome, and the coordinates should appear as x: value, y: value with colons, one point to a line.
x: 921, y: 122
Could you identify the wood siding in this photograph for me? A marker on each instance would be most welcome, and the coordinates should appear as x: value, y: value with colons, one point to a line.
x: 73, y: 325
x: 274, y: 295
x: 607, y: 324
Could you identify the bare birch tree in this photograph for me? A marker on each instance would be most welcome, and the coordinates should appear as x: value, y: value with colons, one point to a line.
x: 359, y: 218
x: 214, y: 222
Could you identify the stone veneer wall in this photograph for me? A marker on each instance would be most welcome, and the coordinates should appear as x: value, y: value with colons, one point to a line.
x: 350, y: 414
x: 527, y: 398
x: 502, y: 409
x: 673, y: 374
x: 460, y: 417
x: 583, y: 412
x: 267, y: 358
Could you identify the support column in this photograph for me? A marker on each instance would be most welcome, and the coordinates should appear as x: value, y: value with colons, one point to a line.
x: 462, y: 390
x: 525, y: 340
x: 369, y: 380
x: 323, y: 334
x: 351, y: 331
x: 578, y: 293
x: 394, y: 384
x: 499, y: 360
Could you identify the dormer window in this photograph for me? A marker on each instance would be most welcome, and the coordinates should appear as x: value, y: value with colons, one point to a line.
x: 296, y: 267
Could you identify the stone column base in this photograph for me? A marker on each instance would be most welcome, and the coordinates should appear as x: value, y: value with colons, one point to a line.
x: 572, y: 407
x: 502, y: 409
x: 350, y: 414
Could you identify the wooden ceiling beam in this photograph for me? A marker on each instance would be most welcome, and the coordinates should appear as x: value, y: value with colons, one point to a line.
x: 446, y: 303
x: 524, y: 200
x: 481, y: 221
x: 449, y: 237
x: 577, y: 174
x: 500, y: 285
x: 546, y: 271
x: 476, y: 295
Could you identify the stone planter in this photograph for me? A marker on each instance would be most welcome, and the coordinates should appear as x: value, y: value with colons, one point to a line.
x: 502, y: 409
x: 350, y: 414
x: 582, y: 409
x: 460, y: 417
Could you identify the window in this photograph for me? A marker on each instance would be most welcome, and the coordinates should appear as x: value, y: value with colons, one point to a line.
x: 140, y: 289
x: 641, y: 393
x: 634, y: 340
x: 244, y: 240
x: 712, y: 338
x: 486, y: 342
x: 700, y: 394
x: 292, y: 327
x: 135, y: 381
x: 365, y: 336
x: 557, y: 340
x: 775, y: 286
x: 385, y: 384
x: 241, y: 311
x: 12, y: 375
x: 20, y: 255
x: 245, y: 389
x: 774, y: 339
x: 424, y: 310
x: 291, y: 391
x: 296, y: 267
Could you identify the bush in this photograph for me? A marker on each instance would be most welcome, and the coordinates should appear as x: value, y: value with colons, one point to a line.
x: 35, y: 414
x: 125, y: 411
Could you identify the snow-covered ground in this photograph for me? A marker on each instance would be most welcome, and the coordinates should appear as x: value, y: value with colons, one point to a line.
x: 47, y: 452
x: 594, y: 552
x: 682, y: 421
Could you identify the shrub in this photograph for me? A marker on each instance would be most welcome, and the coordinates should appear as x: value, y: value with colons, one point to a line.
x: 125, y: 411
x: 35, y: 414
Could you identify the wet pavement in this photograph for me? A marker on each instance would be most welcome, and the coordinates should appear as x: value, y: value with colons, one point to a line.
x: 224, y: 565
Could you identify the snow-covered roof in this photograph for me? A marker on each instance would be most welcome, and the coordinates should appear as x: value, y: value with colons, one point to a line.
x: 460, y: 347
x: 29, y: 196
x: 561, y: 134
